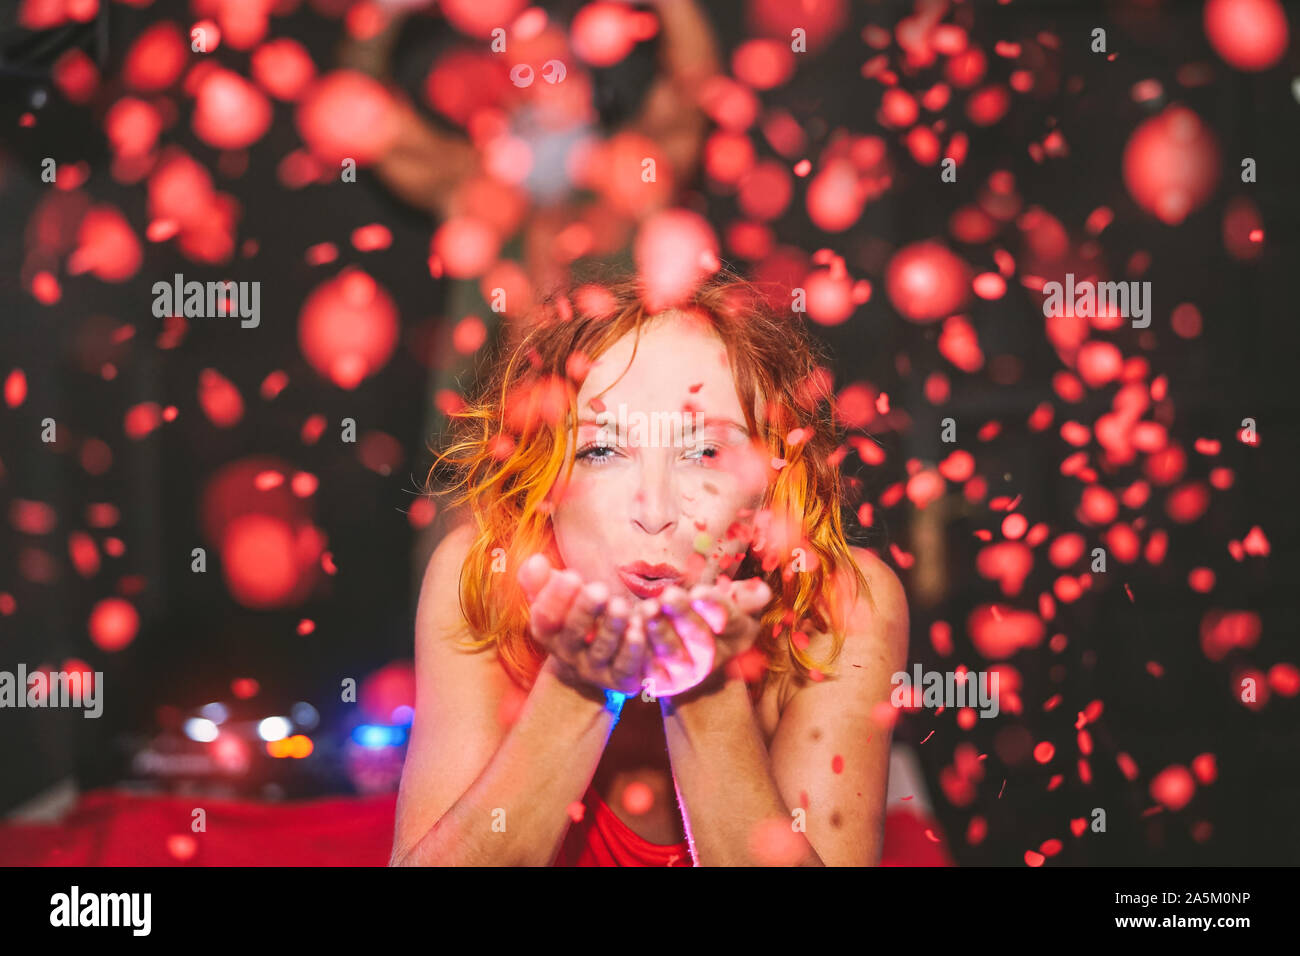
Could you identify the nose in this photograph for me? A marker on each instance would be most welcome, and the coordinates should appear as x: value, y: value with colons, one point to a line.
x: 655, y: 508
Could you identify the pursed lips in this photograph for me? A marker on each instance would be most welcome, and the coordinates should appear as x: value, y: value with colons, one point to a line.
x: 648, y: 581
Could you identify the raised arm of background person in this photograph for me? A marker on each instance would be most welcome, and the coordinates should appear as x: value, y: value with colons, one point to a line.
x: 424, y: 165
x: 467, y: 766
x: 671, y: 113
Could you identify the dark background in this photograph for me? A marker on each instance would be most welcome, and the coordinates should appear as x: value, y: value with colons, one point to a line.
x: 194, y: 639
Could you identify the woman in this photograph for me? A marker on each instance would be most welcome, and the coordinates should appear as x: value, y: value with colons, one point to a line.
x: 700, y: 569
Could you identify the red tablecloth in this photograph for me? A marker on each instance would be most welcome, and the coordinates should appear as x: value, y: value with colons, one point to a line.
x: 112, y: 828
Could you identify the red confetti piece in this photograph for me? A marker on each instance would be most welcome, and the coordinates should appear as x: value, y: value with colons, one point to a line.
x: 901, y: 557
x: 1155, y: 185
x: 283, y: 68
x: 1173, y: 787
x: 1205, y: 768
x: 219, y: 399
x: 312, y: 429
x: 1127, y: 766
x: 774, y: 843
x: 181, y: 846
x: 75, y: 75
x: 1284, y: 679
x: 142, y: 419
x: 637, y: 798
x: 304, y: 484
x: 15, y: 388
x: 45, y: 288
x: 1249, y: 35
x: 229, y: 111
x: 113, y: 624
x: 83, y: 553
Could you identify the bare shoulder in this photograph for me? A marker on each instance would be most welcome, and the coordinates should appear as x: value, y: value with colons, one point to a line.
x: 876, y: 632
x: 451, y: 548
x: 886, y: 590
x: 876, y: 619
x: 440, y: 589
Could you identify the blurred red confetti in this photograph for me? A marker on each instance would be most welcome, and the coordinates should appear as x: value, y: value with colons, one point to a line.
x: 347, y: 328
x: 1250, y: 35
x: 1173, y: 787
x: 113, y: 624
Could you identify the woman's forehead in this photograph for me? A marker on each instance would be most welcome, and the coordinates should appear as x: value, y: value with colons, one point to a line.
x: 677, y: 359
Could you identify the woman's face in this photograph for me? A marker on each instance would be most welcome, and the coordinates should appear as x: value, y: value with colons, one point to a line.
x: 663, y: 465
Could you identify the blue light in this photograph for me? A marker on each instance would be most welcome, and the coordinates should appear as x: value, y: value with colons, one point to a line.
x: 304, y: 715
x: 614, y: 704
x: 377, y: 736
x: 215, y: 712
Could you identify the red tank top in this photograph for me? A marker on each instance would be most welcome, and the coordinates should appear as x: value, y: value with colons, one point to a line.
x: 600, y: 838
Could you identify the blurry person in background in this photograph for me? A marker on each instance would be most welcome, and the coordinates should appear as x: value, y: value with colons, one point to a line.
x: 551, y: 154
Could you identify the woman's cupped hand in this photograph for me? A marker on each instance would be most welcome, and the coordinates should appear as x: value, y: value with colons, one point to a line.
x: 665, y: 646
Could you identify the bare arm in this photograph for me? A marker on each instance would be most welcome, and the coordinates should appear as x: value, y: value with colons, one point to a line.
x: 723, y: 773
x: 729, y: 783
x: 688, y: 56
x: 476, y: 790
x: 424, y: 165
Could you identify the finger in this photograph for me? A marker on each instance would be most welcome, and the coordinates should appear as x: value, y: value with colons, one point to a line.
x: 648, y: 611
x: 739, y: 606
x: 533, y: 574
x: 708, y: 602
x: 580, y: 622
x: 694, y: 632
x: 654, y: 676
x: 610, y: 628
x: 663, y: 638
x: 675, y: 668
x: 689, y: 624
x: 551, y: 606
x: 751, y: 595
x: 629, y: 658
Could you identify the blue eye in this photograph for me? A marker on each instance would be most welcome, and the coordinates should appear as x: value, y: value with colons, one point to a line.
x: 588, y: 453
x: 707, y: 448
x: 597, y: 453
